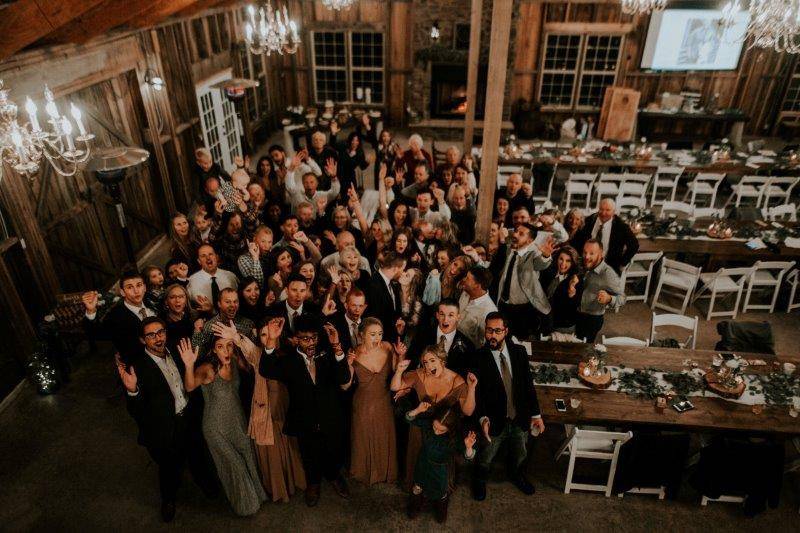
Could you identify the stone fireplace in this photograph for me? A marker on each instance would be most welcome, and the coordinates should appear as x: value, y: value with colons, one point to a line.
x: 448, y: 91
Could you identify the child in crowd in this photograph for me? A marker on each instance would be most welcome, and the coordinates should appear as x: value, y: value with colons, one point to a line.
x: 154, y: 281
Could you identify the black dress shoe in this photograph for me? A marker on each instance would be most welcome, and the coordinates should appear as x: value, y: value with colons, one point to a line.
x: 312, y: 495
x: 524, y: 486
x: 479, y: 490
x: 440, y: 509
x: 341, y: 488
x: 167, y: 511
x: 414, y: 505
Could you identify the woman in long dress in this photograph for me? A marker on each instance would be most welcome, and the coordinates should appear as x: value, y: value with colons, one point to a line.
x: 437, y: 385
x: 278, y: 455
x: 373, y: 457
x: 223, y: 423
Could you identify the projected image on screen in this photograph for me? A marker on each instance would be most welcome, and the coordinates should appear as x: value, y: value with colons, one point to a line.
x: 692, y: 39
x: 700, y: 43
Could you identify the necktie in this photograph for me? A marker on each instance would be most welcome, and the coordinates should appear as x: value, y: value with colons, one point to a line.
x: 295, y: 314
x: 505, y: 293
x: 354, y: 333
x: 396, y: 294
x: 312, y: 368
x: 443, y: 342
x: 143, y: 313
x: 507, y: 384
x: 214, y: 290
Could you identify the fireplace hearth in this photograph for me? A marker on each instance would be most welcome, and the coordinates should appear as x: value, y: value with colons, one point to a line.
x: 448, y: 97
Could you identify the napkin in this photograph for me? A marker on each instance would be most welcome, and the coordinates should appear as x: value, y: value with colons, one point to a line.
x: 792, y: 242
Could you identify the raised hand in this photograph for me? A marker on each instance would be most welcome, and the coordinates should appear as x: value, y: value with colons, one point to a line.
x: 333, y: 335
x: 472, y: 380
x: 485, y: 428
x: 128, y: 376
x: 329, y: 307
x: 573, y: 283
x: 300, y: 236
x: 321, y: 203
x: 330, y: 167
x: 503, y: 232
x: 276, y: 277
x: 400, y: 326
x: 252, y: 248
x: 351, y: 357
x: 399, y: 175
x: 400, y: 349
x: 388, y: 182
x: 275, y: 328
x: 219, y: 206
x: 333, y: 272
x: 402, y: 365
x: 187, y: 352
x: 204, y: 304
x: 547, y: 247
x: 438, y: 193
x: 469, y: 440
x: 238, y: 199
x: 299, y: 247
x: 89, y: 300
x: 228, y: 332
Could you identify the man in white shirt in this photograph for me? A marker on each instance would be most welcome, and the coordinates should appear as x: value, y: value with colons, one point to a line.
x: 425, y: 202
x: 308, y: 192
x: 205, y: 284
x: 475, y: 303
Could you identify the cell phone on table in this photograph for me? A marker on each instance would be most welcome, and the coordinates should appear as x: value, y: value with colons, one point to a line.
x: 683, y: 406
x: 561, y: 405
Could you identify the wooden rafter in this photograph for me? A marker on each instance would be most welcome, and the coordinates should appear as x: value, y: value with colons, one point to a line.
x: 101, y: 19
x: 26, y: 21
x: 201, y: 5
x: 163, y: 10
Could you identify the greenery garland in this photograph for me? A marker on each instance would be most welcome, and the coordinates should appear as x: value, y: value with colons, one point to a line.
x: 683, y: 383
x: 640, y: 384
x: 778, y: 388
x: 437, y: 53
x: 551, y: 374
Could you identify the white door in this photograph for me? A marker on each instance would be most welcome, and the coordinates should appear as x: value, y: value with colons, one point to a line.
x: 222, y: 130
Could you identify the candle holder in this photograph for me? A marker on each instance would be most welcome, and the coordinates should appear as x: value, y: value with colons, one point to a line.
x: 593, y: 371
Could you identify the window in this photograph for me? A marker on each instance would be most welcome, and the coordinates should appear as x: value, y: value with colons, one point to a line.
x: 577, y: 69
x: 791, y: 102
x: 250, y: 94
x: 346, y: 64
x: 260, y: 73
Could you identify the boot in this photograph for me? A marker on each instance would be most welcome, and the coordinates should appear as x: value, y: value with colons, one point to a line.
x: 414, y: 505
x: 440, y: 509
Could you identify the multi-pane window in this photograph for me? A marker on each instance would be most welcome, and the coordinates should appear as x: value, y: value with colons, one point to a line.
x: 249, y: 94
x: 577, y: 68
x: 256, y: 100
x: 348, y: 65
x: 261, y: 75
x: 791, y: 102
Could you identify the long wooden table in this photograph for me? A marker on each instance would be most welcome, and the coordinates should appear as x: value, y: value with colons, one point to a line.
x: 618, y: 408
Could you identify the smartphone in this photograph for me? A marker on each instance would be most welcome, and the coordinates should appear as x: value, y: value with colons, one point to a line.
x: 683, y: 406
x: 561, y: 406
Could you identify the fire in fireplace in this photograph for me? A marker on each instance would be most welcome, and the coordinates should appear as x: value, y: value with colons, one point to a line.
x: 449, y: 91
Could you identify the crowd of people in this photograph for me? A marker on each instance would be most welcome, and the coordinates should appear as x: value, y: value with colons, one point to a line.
x: 305, y: 328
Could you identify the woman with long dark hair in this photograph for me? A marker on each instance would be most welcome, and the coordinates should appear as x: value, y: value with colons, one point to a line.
x: 562, y: 285
x: 184, y: 243
x: 251, y: 304
x: 351, y: 157
x: 270, y: 180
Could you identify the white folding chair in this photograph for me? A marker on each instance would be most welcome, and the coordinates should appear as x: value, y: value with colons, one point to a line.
x: 608, y: 184
x: 669, y: 206
x: 562, y: 337
x: 593, y: 444
x: 780, y: 212
x: 704, y: 184
x: 723, y: 282
x: 677, y: 321
x: 665, y: 179
x: 794, y: 280
x: 625, y: 341
x: 722, y: 498
x: 635, y: 185
x: 749, y: 187
x: 707, y: 212
x: 781, y: 188
x: 680, y: 277
x: 510, y: 169
x: 579, y: 184
x: 625, y: 204
x: 765, y: 275
x: 640, y: 267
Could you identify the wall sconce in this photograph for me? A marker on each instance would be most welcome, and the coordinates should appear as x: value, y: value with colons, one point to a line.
x: 154, y: 80
x: 435, y: 32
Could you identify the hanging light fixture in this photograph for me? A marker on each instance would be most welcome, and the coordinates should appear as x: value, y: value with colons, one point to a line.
x: 642, y: 7
x: 435, y: 33
x: 774, y: 24
x: 23, y: 145
x: 338, y: 5
x: 271, y: 31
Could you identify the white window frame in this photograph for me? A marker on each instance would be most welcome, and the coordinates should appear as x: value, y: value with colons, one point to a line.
x: 578, y: 71
x: 348, y: 67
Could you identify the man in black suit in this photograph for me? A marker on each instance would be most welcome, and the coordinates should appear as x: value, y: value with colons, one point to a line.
x: 295, y: 304
x: 313, y: 380
x: 168, y: 419
x: 121, y: 324
x: 458, y: 347
x: 348, y: 322
x: 383, y: 295
x: 507, y: 407
x: 616, y: 237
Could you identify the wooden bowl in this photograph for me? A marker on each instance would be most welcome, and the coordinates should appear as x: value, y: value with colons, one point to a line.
x: 713, y: 384
x: 603, y: 381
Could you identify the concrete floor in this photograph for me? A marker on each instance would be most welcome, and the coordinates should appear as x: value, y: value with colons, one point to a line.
x: 70, y: 462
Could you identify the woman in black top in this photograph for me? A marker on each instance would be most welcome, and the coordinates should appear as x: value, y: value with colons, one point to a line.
x: 251, y: 304
x: 562, y: 285
x: 178, y: 316
x: 351, y: 157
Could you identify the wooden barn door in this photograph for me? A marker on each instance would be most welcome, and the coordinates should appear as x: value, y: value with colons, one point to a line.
x: 221, y: 128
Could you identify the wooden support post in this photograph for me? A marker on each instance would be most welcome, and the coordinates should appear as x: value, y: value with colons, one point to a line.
x: 493, y: 114
x: 473, y: 63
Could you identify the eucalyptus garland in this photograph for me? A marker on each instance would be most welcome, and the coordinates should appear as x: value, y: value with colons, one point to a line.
x: 640, y: 384
x: 665, y: 343
x: 778, y: 388
x: 550, y: 374
x: 683, y: 383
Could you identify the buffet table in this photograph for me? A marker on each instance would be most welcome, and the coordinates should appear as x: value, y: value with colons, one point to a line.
x: 658, y: 125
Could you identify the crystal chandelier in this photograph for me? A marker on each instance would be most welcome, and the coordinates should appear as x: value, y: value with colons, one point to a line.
x: 773, y: 24
x: 642, y: 7
x: 22, y: 146
x: 272, y: 32
x: 338, y: 5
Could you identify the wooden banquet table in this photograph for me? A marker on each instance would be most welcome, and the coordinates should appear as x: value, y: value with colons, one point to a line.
x: 619, y: 408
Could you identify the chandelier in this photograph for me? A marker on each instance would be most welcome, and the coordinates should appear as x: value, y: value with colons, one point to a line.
x: 338, y: 5
x: 642, y: 7
x: 272, y: 32
x: 23, y: 145
x: 773, y: 24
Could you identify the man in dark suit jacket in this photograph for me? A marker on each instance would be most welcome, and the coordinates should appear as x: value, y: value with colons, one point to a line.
x: 295, y: 305
x: 619, y: 242
x: 313, y: 379
x: 167, y: 416
x: 121, y: 323
x: 383, y: 294
x: 458, y: 346
x: 348, y: 322
x: 507, y: 407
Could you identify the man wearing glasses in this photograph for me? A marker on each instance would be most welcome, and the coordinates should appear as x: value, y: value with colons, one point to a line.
x: 169, y: 424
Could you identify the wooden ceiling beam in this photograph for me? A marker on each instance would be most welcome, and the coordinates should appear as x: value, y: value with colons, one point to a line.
x: 101, y: 19
x: 26, y: 21
x: 164, y: 10
x: 201, y: 5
